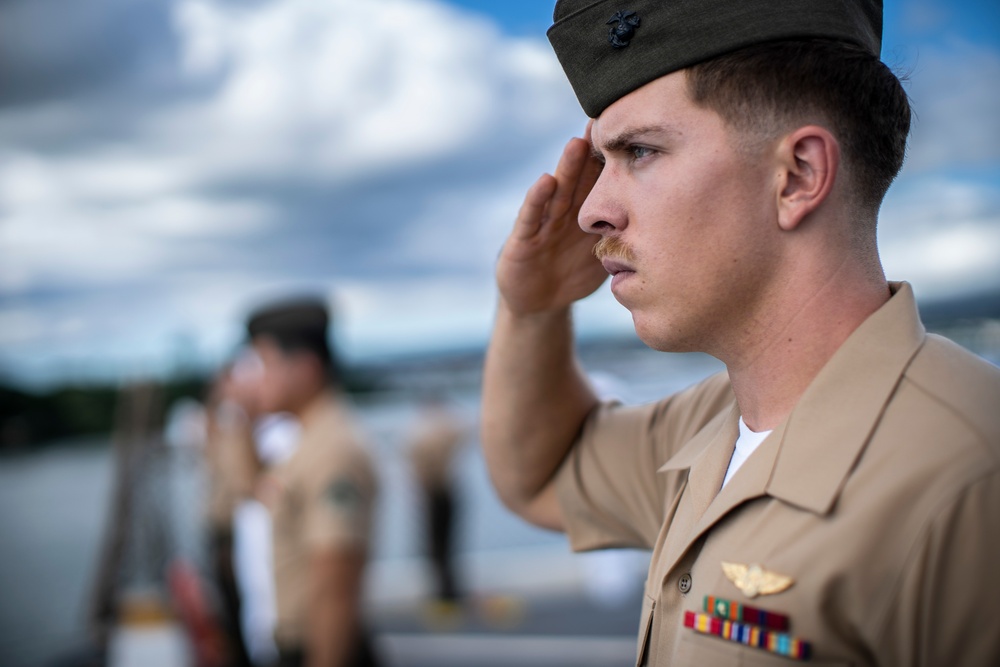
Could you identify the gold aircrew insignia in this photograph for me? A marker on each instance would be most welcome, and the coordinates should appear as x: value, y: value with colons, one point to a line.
x: 753, y: 580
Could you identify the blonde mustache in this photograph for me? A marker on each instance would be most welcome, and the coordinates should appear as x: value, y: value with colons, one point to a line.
x: 612, y: 247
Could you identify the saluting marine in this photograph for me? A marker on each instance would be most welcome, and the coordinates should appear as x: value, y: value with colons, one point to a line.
x: 321, y: 499
x: 835, y: 495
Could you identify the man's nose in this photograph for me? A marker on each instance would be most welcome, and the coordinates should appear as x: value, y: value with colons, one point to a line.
x: 602, y: 211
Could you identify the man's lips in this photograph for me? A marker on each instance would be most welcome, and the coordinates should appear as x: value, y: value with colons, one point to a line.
x: 614, y: 267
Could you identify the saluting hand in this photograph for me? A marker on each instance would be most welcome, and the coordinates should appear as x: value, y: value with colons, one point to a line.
x: 547, y: 262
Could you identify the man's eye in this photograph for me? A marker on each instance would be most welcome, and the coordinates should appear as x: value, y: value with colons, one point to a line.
x: 639, y: 152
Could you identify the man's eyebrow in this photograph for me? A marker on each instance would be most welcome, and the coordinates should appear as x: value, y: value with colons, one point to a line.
x: 625, y: 138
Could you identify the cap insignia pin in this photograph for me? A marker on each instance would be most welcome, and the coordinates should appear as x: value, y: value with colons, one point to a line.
x: 753, y: 580
x: 622, y: 30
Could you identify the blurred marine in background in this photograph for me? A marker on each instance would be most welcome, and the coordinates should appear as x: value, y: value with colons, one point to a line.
x: 834, y: 496
x: 321, y: 499
x: 434, y: 445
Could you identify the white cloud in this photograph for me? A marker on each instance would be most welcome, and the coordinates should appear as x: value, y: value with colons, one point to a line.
x: 373, y: 151
x: 947, y: 260
x: 104, y: 219
x: 943, y: 235
x: 343, y: 89
x: 272, y: 97
x: 434, y: 313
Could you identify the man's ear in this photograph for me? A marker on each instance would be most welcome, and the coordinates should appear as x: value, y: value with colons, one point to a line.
x: 809, y: 159
x: 312, y: 367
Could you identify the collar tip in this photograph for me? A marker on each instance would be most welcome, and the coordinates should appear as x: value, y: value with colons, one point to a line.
x: 818, y: 504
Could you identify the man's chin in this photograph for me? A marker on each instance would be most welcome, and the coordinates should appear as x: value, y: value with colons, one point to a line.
x: 646, y: 334
x: 661, y: 338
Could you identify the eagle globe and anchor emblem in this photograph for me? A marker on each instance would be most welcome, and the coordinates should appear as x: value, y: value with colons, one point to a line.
x: 622, y: 30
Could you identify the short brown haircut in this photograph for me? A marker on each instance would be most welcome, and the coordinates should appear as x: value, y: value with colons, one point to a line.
x: 762, y: 89
x: 297, y: 325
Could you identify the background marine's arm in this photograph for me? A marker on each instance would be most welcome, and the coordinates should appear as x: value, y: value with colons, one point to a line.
x: 333, y: 618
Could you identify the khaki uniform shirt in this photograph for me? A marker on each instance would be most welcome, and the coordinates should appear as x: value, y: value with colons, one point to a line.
x: 433, y: 448
x: 321, y: 497
x: 879, y: 497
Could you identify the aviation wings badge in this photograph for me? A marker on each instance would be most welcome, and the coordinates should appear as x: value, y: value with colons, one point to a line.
x: 754, y: 580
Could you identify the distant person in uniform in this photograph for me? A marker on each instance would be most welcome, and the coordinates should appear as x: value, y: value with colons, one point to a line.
x: 321, y: 498
x: 434, y: 445
x: 232, y: 468
x: 836, y: 494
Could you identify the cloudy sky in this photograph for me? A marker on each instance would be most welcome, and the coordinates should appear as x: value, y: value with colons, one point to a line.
x: 165, y: 165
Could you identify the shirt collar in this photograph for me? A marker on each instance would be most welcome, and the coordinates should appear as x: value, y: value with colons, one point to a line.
x: 830, y: 425
x: 317, y: 409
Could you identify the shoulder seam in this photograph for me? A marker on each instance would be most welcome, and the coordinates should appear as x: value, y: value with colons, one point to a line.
x: 940, y: 400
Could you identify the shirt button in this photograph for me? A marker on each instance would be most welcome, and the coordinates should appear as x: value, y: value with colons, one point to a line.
x: 684, y: 583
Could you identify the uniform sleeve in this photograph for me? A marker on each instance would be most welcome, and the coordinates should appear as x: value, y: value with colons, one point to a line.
x: 338, y: 508
x: 948, y: 602
x: 608, y: 486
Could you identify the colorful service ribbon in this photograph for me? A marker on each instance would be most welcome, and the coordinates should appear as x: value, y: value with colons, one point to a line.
x: 734, y: 611
x: 748, y: 634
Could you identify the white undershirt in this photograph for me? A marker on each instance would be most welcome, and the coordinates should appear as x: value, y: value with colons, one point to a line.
x: 746, y: 444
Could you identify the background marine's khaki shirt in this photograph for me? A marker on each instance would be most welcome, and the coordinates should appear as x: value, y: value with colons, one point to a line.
x: 879, y: 496
x: 323, y: 496
x: 434, y: 446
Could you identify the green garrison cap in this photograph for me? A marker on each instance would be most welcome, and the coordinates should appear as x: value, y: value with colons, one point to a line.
x: 609, y: 48
x: 301, y: 317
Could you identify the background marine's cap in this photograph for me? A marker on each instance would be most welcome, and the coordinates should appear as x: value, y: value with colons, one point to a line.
x: 300, y: 318
x: 609, y: 48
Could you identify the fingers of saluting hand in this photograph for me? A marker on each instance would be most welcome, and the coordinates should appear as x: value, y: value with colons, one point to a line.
x: 589, y: 173
x: 529, y: 218
x: 554, y: 201
x: 568, y: 173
